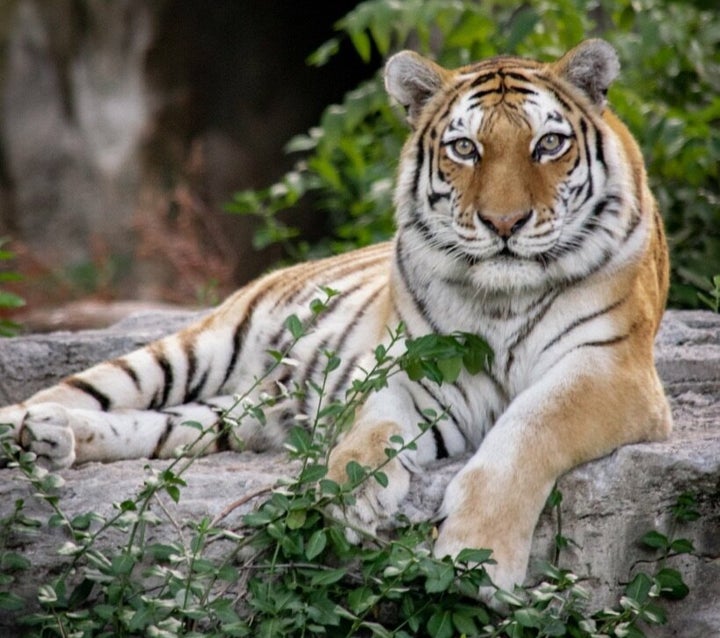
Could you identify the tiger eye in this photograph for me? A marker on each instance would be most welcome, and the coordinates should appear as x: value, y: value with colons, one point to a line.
x: 550, y: 143
x: 464, y: 148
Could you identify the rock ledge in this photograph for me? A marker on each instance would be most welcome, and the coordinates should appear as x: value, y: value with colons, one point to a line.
x: 607, y: 504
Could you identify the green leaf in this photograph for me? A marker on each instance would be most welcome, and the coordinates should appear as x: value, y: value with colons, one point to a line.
x: 82, y: 521
x: 11, y: 602
x: 327, y: 577
x: 656, y: 540
x: 440, y: 624
x: 413, y: 369
x: 332, y: 364
x: 555, y: 627
x: 10, y: 300
x: 555, y: 498
x: 682, y: 546
x: 339, y: 542
x: 464, y: 623
x: 356, y: 472
x: 361, y: 599
x: 12, y: 562
x: 639, y: 588
x: 323, y: 611
x: 122, y: 564
x: 377, y: 629
x: 81, y: 593
x: 296, y: 518
x: 381, y: 478
x: 361, y: 42
x: 324, y: 52
x: 47, y: 595
x: 450, y: 368
x: 203, y: 566
x: 173, y: 491
x: 477, y: 354
x: 508, y: 598
x: 654, y: 615
x: 380, y: 353
x: 439, y: 577
x: 312, y: 473
x: 672, y: 584
x: 294, y: 325
x: 316, y: 544
x: 467, y: 556
x: 329, y: 488
x: 299, y: 440
x: 685, y: 509
x: 529, y: 617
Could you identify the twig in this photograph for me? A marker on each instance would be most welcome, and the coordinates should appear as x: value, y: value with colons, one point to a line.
x: 240, y: 502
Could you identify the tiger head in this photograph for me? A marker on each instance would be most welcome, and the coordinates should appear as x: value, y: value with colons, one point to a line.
x: 515, y: 170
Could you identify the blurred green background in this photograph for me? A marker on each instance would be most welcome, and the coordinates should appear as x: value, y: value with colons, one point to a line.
x: 668, y: 93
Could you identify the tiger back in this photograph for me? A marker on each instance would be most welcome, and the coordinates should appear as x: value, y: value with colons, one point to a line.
x: 523, y: 216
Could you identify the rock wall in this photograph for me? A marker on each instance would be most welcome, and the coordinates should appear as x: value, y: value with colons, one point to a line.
x: 608, y: 504
x: 75, y: 107
x: 125, y: 126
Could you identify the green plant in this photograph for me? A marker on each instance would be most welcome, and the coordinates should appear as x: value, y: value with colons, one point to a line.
x: 8, y: 300
x: 712, y: 298
x: 289, y: 570
x: 667, y: 93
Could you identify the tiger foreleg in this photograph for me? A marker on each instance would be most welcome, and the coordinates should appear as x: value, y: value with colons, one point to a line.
x: 61, y: 436
x: 495, y: 500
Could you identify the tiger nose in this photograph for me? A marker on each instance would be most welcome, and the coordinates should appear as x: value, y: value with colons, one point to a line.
x: 505, y: 225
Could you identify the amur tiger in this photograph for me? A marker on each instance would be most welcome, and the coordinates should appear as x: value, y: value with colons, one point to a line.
x: 523, y: 216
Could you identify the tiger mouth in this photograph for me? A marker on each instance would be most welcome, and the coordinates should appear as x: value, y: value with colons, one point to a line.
x: 504, y: 256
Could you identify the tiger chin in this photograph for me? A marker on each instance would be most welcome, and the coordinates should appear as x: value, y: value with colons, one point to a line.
x: 524, y: 216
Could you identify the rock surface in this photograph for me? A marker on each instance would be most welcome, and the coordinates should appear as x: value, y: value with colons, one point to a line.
x: 607, y: 504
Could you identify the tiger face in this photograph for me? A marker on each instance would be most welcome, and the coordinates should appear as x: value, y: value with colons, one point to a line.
x: 512, y: 169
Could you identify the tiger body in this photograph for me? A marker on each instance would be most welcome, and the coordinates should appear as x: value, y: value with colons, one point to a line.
x: 523, y: 216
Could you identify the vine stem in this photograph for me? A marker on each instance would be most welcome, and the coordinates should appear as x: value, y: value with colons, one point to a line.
x: 240, y: 502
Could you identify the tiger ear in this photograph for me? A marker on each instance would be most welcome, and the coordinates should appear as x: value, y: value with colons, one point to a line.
x: 412, y: 80
x: 591, y: 66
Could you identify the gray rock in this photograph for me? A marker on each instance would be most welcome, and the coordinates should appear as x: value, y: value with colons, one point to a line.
x: 607, y: 504
x: 75, y: 109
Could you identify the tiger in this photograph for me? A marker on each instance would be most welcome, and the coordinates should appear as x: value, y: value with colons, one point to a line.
x: 524, y: 216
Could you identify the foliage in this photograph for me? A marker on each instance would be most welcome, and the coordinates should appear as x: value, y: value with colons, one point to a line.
x: 668, y: 93
x: 712, y: 298
x: 8, y: 300
x: 289, y: 570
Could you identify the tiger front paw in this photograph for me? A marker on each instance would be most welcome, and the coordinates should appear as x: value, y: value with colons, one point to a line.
x: 375, y: 504
x: 46, y: 432
x: 477, y: 516
x: 510, y: 555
